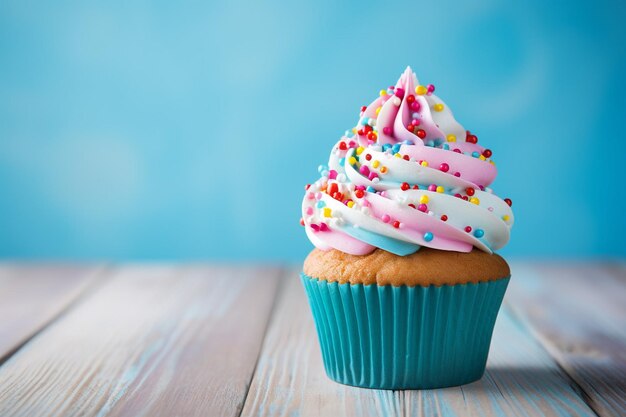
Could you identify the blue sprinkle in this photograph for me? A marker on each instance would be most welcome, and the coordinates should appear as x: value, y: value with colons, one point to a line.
x: 322, y: 168
x: 475, y: 154
x: 479, y: 233
x: 430, y: 143
x: 446, y: 147
x: 395, y: 148
x: 363, y: 121
x: 320, y: 204
x: 408, y: 142
x: 342, y: 161
x: 386, y: 146
x: 415, y: 115
x: 428, y: 236
x: 371, y: 189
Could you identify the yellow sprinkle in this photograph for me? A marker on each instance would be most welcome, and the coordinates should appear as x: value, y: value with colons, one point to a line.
x: 451, y: 138
x: 424, y: 199
x: 350, y: 204
x: 327, y: 212
x: 482, y: 158
x: 354, y: 130
x: 378, y: 110
x: 438, y: 107
x: 375, y: 163
x: 397, y: 155
x: 506, y: 217
x: 383, y: 92
x: 352, y: 160
x: 420, y: 90
x: 383, y: 169
x: 440, y: 189
x: 474, y: 200
x: 424, y: 163
x: 359, y: 150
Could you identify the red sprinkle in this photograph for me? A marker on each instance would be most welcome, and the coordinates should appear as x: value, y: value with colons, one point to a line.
x: 301, y: 221
x: 468, y: 229
x: 405, y: 186
x: 343, y: 146
x: 444, y: 218
x: 396, y: 224
x: 444, y: 167
x: 306, y: 187
x: 371, y: 136
x: 470, y: 191
x: 410, y: 99
x: 359, y: 193
x: 368, y: 157
x: 509, y: 202
x: 406, y: 157
x: 363, y: 108
x: 487, y: 153
x: 421, y: 133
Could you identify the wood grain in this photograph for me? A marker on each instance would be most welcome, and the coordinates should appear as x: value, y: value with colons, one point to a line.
x: 152, y: 341
x: 521, y: 380
x: 578, y: 313
x: 31, y: 296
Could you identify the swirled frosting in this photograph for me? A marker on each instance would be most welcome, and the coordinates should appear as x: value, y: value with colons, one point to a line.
x: 408, y: 175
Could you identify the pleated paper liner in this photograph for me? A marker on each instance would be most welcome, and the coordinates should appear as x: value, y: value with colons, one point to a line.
x: 388, y: 337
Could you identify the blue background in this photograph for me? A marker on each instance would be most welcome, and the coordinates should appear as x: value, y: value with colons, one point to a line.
x: 186, y: 131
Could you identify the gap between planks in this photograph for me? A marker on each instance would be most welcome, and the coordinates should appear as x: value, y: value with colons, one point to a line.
x: 33, y: 296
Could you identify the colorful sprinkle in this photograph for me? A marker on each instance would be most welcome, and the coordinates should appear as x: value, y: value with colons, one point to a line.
x: 405, y: 186
x: 506, y: 217
x: 396, y: 224
x: 444, y: 167
x: 424, y: 199
x: 438, y: 107
x: 474, y: 200
x: 509, y: 202
x: 451, y: 138
x: 469, y: 191
x: 444, y: 218
x: 440, y: 189
x: 385, y: 218
x: 428, y: 236
x: 468, y: 229
x: 420, y: 90
x: 327, y: 212
x: 479, y: 233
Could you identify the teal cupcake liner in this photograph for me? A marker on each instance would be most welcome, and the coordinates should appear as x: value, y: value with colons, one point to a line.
x: 388, y: 337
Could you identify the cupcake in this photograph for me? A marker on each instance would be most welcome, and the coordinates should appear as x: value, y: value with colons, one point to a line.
x: 403, y: 283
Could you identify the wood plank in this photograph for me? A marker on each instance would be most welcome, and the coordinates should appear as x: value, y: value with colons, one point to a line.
x: 521, y: 378
x: 578, y: 313
x: 152, y: 341
x: 31, y: 296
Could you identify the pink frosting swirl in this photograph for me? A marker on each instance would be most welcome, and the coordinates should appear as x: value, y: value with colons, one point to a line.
x: 409, y: 175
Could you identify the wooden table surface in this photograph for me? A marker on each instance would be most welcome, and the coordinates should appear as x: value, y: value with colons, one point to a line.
x: 207, y: 340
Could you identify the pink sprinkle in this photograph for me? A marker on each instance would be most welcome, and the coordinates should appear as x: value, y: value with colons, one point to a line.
x: 372, y: 176
x: 315, y: 228
x: 383, y: 193
x: 332, y: 174
x: 385, y: 218
x: 443, y: 167
x: 318, y: 196
x: 323, y: 227
x: 360, y: 187
x: 457, y: 150
x: 415, y: 122
x: 457, y: 174
x: 387, y: 130
x: 430, y: 89
x: 415, y: 106
x: 432, y: 187
x: 482, y: 187
x: 364, y: 170
x: 309, y: 210
x: 422, y: 207
x: 310, y: 196
x: 352, y: 144
x: 400, y: 92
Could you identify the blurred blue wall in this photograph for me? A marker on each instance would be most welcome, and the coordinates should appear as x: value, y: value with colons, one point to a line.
x: 187, y: 131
